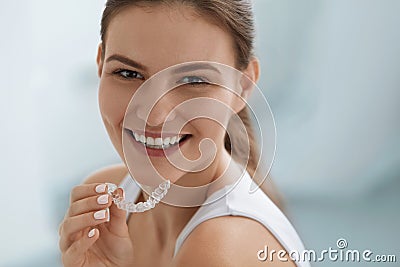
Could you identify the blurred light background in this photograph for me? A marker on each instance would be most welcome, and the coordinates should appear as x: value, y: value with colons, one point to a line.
x: 330, y: 71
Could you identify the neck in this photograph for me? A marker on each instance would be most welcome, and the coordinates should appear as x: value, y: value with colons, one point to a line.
x: 169, y: 220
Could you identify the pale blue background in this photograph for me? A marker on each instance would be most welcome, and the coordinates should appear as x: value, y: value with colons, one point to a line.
x: 330, y: 70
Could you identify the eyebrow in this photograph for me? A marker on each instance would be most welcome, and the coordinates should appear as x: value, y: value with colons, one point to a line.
x: 126, y: 61
x: 183, y: 69
x: 195, y: 66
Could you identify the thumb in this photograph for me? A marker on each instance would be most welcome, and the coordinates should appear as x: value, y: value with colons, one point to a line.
x: 117, y: 223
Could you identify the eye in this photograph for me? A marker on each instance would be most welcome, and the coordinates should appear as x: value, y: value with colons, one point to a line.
x: 128, y: 74
x: 193, y: 80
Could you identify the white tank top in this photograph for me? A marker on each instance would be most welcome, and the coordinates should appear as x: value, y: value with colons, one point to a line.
x: 235, y: 200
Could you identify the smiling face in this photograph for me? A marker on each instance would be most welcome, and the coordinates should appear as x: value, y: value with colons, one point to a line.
x: 142, y: 41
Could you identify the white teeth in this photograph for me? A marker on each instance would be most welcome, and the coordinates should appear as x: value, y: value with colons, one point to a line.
x: 157, y: 142
x: 150, y: 141
x: 137, y: 137
x: 166, y: 141
x: 173, y: 140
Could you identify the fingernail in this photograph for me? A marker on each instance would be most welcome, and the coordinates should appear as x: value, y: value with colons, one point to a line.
x: 108, y: 214
x: 99, y: 215
x: 92, y: 232
x: 101, y: 188
x: 103, y: 199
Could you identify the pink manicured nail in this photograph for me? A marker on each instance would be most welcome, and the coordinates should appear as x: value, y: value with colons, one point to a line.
x: 108, y: 214
x: 92, y: 232
x: 103, y: 199
x: 100, y: 215
x: 101, y: 188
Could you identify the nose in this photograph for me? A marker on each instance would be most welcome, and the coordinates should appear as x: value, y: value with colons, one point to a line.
x: 157, y: 114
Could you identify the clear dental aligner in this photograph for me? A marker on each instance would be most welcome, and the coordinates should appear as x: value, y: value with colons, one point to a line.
x: 153, y: 199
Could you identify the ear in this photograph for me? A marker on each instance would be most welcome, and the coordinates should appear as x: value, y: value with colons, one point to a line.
x: 250, y: 77
x: 99, y: 59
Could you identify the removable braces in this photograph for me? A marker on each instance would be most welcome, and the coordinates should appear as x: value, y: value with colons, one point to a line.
x: 154, y: 198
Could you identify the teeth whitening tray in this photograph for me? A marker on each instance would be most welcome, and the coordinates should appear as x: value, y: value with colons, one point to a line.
x: 154, y: 198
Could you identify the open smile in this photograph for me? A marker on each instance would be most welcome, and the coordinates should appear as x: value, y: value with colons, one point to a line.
x: 155, y: 144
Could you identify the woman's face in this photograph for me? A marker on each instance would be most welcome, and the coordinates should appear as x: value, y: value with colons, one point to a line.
x: 141, y: 42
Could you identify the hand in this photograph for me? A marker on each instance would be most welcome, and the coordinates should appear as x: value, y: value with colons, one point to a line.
x: 86, y: 238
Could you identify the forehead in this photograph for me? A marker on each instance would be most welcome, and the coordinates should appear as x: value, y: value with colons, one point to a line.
x: 159, y: 37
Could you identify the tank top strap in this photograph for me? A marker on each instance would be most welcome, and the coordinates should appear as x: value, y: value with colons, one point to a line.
x: 237, y: 200
x: 234, y: 200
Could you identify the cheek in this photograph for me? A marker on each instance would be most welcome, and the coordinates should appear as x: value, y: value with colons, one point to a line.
x: 219, y: 105
x: 113, y: 102
x: 209, y: 128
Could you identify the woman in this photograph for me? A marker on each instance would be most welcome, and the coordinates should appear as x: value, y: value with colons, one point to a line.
x: 140, y: 39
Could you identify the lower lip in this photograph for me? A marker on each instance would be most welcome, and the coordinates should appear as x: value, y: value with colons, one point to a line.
x: 153, y: 152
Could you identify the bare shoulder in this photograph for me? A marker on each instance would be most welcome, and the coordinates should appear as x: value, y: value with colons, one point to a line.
x: 111, y: 174
x: 229, y: 241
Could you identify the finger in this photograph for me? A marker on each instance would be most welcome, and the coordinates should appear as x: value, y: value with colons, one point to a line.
x: 72, y: 225
x: 89, y: 204
x: 65, y: 241
x: 87, y: 190
x: 75, y: 254
x: 117, y: 223
x: 76, y: 223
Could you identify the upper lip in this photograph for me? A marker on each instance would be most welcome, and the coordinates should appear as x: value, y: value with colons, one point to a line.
x: 156, y: 134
